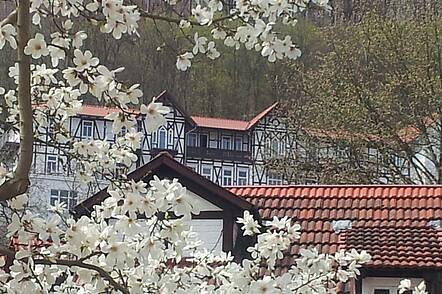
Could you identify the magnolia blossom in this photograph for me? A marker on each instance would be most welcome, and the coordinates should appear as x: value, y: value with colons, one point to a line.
x: 200, y: 43
x: 250, y: 225
x: 405, y: 285
x: 84, y: 60
x: 7, y: 34
x: 183, y: 61
x: 3, y: 173
x: 212, y: 53
x: 154, y: 113
x: 37, y: 47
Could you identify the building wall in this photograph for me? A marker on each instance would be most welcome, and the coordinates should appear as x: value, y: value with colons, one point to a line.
x: 270, y: 140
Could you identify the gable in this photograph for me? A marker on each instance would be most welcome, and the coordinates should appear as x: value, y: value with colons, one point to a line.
x: 177, y: 110
x: 202, y: 203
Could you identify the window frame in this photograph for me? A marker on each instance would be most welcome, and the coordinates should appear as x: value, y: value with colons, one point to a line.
x: 52, y: 164
x: 207, y: 140
x: 162, y: 132
x: 227, y: 179
x: 236, y: 146
x: 84, y: 126
x: 245, y: 178
x: 193, y: 166
x: 207, y: 176
x: 70, y: 197
x: 228, y: 140
x: 189, y: 141
x: 370, y: 284
x: 274, y: 179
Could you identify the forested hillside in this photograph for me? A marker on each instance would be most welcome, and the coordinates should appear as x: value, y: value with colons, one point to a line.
x: 240, y: 83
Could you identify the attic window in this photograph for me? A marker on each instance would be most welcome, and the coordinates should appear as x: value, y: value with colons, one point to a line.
x: 436, y: 224
x: 341, y: 225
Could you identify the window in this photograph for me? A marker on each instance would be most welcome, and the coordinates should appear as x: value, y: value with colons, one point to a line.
x: 311, y: 181
x: 87, y: 129
x: 395, y: 160
x: 123, y: 131
x: 64, y: 196
x: 238, y: 143
x: 52, y: 127
x: 381, y: 291
x: 341, y: 152
x: 242, y: 177
x: 227, y: 177
x: 120, y: 170
x: 193, y: 166
x: 203, y: 140
x: 206, y: 172
x: 274, y: 179
x: 52, y: 164
x: 226, y: 143
x: 162, y: 137
x: 191, y: 140
x: 384, y: 285
x: 276, y: 147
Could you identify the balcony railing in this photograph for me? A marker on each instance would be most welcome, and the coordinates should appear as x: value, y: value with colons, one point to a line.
x: 213, y: 153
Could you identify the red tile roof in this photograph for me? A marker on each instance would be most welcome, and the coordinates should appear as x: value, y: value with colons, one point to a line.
x: 260, y: 115
x: 220, y: 123
x: 200, y: 121
x: 230, y: 124
x: 390, y: 222
x: 100, y: 111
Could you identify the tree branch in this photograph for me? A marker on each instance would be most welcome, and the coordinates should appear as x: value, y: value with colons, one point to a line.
x: 10, y: 19
x: 10, y: 254
x: 177, y: 21
x: 104, y: 274
x: 19, y: 184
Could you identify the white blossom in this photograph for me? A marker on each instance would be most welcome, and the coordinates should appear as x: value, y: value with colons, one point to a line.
x: 7, y: 34
x: 154, y: 113
x: 36, y: 47
x: 183, y: 61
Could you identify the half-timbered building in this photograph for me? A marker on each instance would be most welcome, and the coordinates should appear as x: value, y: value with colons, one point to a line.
x: 227, y: 152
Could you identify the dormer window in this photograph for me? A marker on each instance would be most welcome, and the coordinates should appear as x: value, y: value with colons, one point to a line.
x: 87, y: 129
x: 226, y: 143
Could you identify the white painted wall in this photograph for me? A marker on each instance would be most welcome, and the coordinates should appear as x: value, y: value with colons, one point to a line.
x: 202, y: 203
x: 210, y: 232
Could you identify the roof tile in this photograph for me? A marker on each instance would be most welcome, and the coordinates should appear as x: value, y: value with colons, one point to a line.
x: 391, y: 222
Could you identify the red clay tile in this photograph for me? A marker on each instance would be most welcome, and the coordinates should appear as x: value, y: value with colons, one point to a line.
x: 388, y: 221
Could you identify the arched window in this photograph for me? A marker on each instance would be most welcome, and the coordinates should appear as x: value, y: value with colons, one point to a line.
x: 162, y: 138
